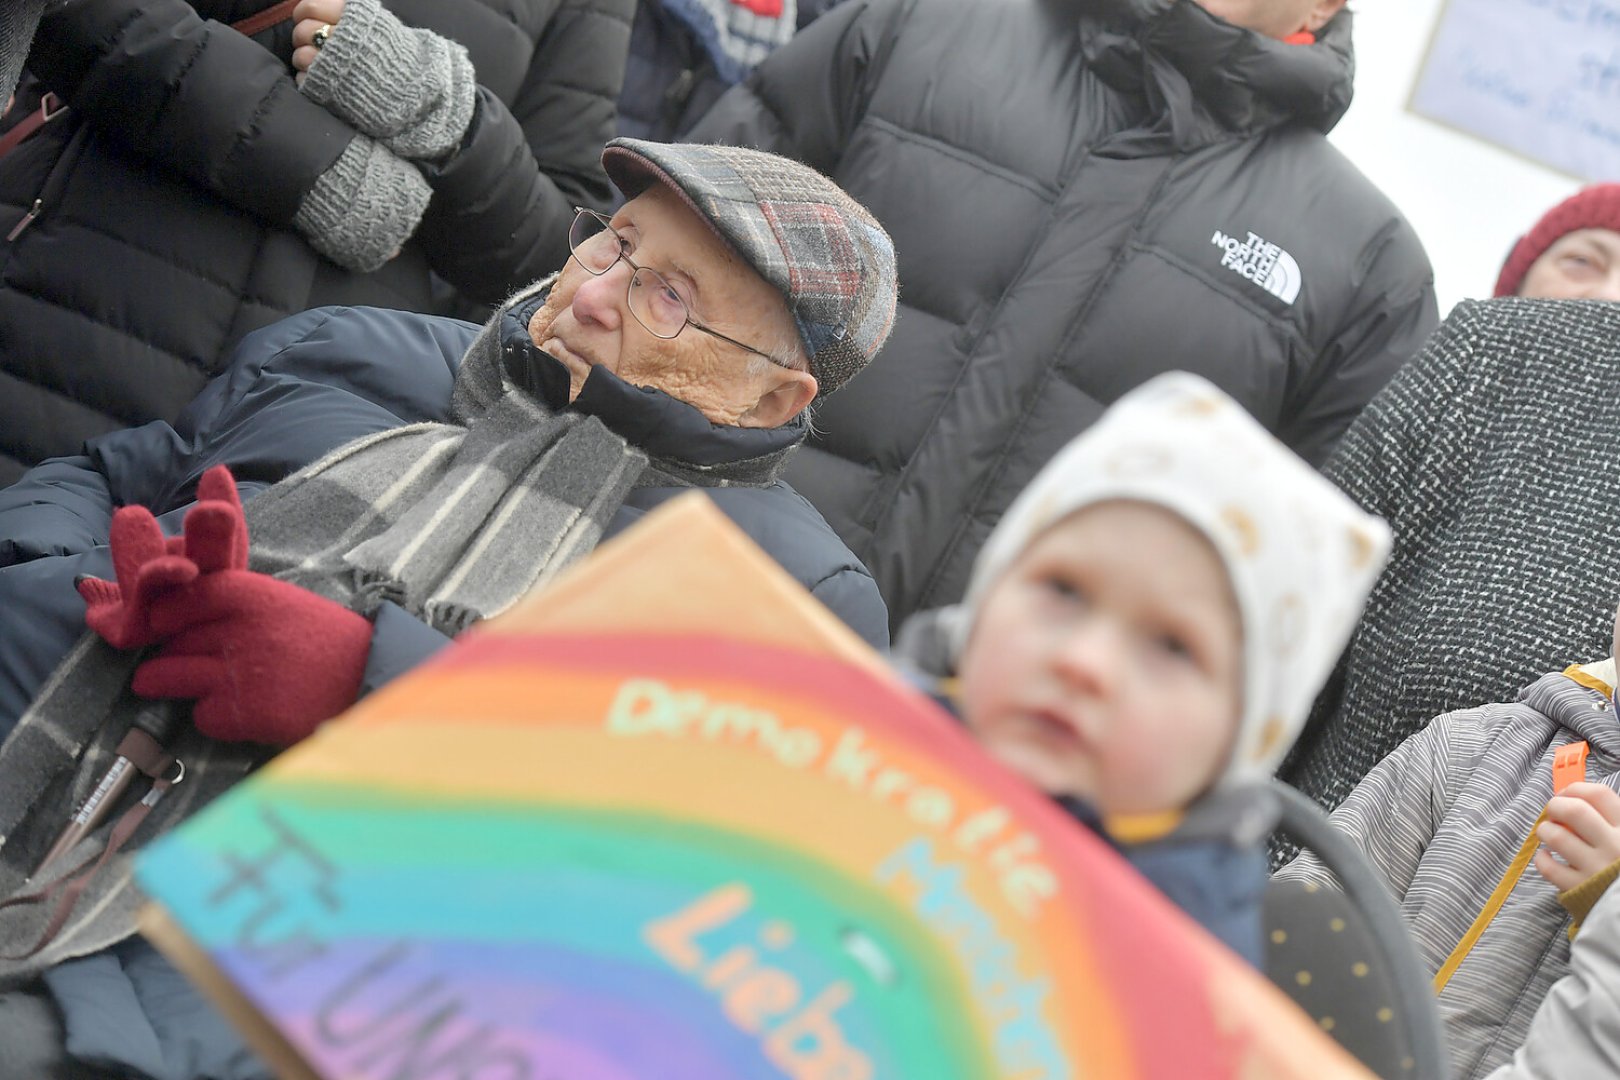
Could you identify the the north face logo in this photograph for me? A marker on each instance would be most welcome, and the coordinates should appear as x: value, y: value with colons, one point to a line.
x: 1262, y: 262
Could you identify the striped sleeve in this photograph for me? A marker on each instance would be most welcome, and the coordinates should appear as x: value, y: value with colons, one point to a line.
x: 1393, y: 813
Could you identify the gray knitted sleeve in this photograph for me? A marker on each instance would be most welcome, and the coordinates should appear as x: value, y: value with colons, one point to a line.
x: 17, y: 23
x: 409, y: 89
x: 363, y: 209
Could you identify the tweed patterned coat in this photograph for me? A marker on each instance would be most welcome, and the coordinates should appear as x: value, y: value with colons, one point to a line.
x: 1495, y: 457
x: 1442, y: 819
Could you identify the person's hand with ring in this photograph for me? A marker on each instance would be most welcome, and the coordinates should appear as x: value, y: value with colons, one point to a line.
x: 315, y: 22
x: 407, y: 87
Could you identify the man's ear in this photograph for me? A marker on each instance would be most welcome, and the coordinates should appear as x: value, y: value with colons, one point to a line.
x: 790, y: 393
x: 1322, y: 14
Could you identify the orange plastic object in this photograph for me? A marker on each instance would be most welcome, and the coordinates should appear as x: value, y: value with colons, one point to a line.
x: 1569, y: 765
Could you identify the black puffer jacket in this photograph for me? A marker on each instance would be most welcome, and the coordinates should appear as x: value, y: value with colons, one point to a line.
x: 1083, y: 194
x: 163, y: 206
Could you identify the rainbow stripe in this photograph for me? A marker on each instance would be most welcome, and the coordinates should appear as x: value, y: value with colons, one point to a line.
x: 629, y: 856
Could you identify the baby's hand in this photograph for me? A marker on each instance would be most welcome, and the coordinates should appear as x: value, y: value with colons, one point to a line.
x: 1583, y: 829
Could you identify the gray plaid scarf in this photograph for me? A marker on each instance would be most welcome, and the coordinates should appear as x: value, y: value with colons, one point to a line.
x: 454, y: 522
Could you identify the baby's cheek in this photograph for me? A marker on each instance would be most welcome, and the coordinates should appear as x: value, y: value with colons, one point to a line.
x: 1140, y: 765
x: 1186, y: 755
x: 1213, y: 747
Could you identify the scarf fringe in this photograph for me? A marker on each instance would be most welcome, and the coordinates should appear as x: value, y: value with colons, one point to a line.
x: 372, y: 589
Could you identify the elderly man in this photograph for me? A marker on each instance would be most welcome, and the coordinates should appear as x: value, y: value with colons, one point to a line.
x: 1085, y: 193
x: 679, y: 348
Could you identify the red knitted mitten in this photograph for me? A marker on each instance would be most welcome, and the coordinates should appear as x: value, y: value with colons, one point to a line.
x: 265, y: 660
x: 146, y: 566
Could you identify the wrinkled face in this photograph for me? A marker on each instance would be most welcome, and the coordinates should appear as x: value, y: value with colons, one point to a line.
x: 1582, y: 265
x: 1107, y: 662
x: 1275, y: 18
x: 586, y: 321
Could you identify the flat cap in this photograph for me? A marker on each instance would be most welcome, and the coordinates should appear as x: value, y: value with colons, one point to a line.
x: 823, y: 251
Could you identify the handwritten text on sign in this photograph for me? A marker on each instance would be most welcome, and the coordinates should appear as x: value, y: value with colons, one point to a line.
x: 1538, y: 77
x: 647, y: 707
x: 375, y: 1018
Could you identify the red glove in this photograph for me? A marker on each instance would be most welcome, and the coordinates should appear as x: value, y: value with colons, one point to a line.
x: 265, y: 660
x: 147, y: 565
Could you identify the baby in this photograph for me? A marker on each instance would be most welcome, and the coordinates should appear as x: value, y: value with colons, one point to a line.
x: 1145, y: 629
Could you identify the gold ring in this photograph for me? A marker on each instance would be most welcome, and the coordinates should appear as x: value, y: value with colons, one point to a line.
x: 318, y: 39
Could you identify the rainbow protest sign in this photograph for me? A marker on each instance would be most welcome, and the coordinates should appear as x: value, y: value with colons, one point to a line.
x: 634, y: 829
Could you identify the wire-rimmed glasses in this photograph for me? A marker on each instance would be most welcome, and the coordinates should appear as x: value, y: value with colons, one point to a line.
x: 655, y: 303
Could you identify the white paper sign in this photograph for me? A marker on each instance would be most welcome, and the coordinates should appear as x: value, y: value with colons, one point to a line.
x: 1539, y: 77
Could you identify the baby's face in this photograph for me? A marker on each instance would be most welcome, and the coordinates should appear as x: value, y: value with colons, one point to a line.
x: 1107, y: 662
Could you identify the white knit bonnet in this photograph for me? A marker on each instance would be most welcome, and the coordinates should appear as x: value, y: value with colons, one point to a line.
x: 1300, y: 555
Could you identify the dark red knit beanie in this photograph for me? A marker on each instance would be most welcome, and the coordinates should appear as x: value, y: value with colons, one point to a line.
x: 1596, y: 207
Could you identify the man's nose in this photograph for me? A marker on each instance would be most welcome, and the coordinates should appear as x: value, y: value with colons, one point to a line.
x: 600, y: 300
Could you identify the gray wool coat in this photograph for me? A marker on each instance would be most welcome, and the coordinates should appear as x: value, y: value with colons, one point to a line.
x: 1442, y: 819
x: 1495, y: 457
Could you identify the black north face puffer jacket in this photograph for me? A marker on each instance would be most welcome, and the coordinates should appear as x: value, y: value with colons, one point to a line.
x: 1083, y: 194
x: 161, y: 210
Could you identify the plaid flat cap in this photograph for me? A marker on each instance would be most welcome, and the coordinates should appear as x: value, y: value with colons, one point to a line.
x: 821, y: 249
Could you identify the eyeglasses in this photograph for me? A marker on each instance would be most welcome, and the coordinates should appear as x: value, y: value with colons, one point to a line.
x: 656, y: 304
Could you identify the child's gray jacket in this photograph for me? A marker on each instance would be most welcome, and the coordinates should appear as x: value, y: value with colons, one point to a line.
x: 1446, y: 819
x: 1577, y: 1029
